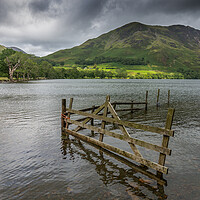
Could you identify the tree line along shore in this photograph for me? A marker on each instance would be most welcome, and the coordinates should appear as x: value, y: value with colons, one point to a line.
x: 17, y: 66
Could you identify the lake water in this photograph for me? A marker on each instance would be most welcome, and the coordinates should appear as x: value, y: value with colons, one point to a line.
x: 36, y: 164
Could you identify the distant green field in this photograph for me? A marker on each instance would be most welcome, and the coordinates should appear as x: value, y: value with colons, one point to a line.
x: 134, y: 72
x: 65, y: 67
x: 131, y: 70
x: 4, y: 79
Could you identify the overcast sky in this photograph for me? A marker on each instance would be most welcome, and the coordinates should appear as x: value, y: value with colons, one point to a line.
x: 41, y: 27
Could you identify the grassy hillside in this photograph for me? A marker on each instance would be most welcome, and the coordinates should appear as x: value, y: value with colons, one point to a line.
x: 170, y: 48
x: 2, y: 48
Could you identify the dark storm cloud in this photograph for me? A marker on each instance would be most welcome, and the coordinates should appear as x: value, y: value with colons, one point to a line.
x: 39, y: 5
x: 44, y: 26
x: 140, y: 7
x: 80, y: 14
x: 173, y: 6
x: 5, y: 8
x: 2, y: 11
x: 89, y: 9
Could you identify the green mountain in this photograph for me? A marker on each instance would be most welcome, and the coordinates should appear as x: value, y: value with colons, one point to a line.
x: 170, y: 47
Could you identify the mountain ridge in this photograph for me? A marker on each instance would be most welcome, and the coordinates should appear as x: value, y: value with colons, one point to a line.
x: 171, y: 46
x: 2, y: 47
x: 16, y: 49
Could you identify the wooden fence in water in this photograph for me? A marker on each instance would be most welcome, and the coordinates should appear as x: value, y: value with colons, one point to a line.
x: 101, y: 113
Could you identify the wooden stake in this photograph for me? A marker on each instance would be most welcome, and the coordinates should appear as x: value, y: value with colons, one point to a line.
x: 70, y: 107
x: 132, y: 107
x: 92, y: 120
x: 146, y: 100
x: 103, y: 124
x: 114, y: 105
x: 168, y: 96
x: 165, y: 141
x: 63, y: 123
x: 157, y: 104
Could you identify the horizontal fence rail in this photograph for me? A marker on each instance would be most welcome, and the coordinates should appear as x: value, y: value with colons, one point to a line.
x: 129, y: 124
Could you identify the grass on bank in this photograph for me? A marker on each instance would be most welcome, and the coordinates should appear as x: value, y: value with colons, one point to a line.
x: 4, y: 79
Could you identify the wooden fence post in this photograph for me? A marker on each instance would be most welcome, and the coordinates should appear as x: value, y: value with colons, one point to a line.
x: 68, y: 114
x: 146, y: 100
x: 132, y: 107
x: 114, y: 105
x: 165, y: 141
x: 103, y: 124
x: 158, y: 95
x: 168, y: 96
x: 92, y: 120
x: 63, y: 124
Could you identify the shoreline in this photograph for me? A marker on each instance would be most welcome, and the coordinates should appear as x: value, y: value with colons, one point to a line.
x: 8, y: 81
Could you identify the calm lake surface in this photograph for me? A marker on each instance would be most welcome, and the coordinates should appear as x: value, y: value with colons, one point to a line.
x: 36, y: 164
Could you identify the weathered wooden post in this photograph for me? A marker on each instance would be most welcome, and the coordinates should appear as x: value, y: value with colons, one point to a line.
x: 146, y: 101
x: 68, y: 114
x: 165, y: 142
x: 132, y: 107
x: 168, y: 97
x: 63, y: 123
x: 158, y: 95
x: 114, y: 105
x: 103, y: 124
x: 92, y: 119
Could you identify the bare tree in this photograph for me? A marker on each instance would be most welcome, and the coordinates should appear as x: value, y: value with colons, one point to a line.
x: 12, y: 67
x: 14, y: 61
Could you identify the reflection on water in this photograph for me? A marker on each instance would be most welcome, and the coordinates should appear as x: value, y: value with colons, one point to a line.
x: 110, y: 173
x: 32, y: 166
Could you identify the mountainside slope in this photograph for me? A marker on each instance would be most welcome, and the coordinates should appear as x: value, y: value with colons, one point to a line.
x: 16, y: 49
x: 2, y: 48
x: 174, y: 46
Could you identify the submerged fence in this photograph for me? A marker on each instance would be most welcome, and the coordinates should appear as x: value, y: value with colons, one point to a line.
x: 101, y: 113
